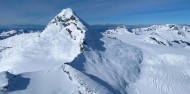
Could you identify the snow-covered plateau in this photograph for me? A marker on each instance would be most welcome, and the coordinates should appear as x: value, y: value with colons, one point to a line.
x: 70, y: 57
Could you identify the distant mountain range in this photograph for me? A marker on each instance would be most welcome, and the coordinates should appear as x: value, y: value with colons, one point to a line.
x: 22, y: 26
x: 97, y: 27
x: 68, y: 56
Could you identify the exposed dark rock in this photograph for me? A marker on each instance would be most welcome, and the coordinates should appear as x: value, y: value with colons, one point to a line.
x: 4, y: 48
x: 181, y: 42
x: 78, y: 28
x: 81, y: 47
x: 70, y: 32
x: 73, y: 18
x: 181, y: 33
x: 188, y: 44
x: 176, y: 41
x: 159, y: 42
x: 175, y: 28
x: 65, y: 24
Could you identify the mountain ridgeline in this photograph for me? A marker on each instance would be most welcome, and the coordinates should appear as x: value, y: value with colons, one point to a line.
x: 70, y: 57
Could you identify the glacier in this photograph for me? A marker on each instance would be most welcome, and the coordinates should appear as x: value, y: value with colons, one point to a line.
x: 70, y: 57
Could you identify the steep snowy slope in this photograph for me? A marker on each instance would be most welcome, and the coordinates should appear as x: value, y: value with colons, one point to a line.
x: 69, y: 57
x: 33, y: 52
x: 67, y: 29
x: 57, y: 44
x: 115, y: 65
x: 64, y: 79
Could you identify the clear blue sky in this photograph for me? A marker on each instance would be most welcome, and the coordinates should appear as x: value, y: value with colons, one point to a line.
x: 97, y: 11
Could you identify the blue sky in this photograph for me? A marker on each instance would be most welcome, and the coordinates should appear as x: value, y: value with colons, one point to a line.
x: 97, y: 11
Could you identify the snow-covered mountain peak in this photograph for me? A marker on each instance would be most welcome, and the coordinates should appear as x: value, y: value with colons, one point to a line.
x: 60, y: 42
x: 9, y: 33
x: 119, y: 30
x: 65, y: 18
x: 168, y: 27
x: 67, y: 26
x: 68, y: 12
x: 124, y: 61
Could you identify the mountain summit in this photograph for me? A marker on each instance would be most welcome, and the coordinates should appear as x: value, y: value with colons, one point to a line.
x: 68, y: 25
x: 70, y: 52
x: 69, y: 57
x: 60, y: 42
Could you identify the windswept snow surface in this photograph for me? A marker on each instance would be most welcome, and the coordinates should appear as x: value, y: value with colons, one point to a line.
x: 165, y: 69
x: 169, y: 35
x: 69, y: 57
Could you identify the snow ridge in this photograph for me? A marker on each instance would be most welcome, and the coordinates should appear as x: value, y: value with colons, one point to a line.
x: 168, y: 35
x: 166, y: 27
x: 69, y: 57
